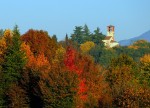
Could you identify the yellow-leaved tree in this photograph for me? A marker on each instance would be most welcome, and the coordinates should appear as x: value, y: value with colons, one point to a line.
x: 59, y: 55
x: 145, y: 61
x: 8, y: 36
x: 85, y: 47
x: 2, y: 46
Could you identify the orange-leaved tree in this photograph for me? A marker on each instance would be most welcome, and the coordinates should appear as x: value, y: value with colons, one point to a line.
x: 40, y: 42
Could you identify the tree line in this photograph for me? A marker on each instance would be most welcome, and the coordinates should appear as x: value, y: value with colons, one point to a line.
x: 37, y: 71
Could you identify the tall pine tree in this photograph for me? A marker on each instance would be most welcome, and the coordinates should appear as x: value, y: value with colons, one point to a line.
x: 86, y: 30
x: 77, y: 36
x: 14, y: 59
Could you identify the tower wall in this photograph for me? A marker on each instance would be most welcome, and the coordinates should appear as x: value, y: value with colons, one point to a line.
x: 111, y: 31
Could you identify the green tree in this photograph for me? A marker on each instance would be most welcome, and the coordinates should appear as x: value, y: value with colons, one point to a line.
x: 97, y: 31
x: 2, y: 53
x: 13, y: 66
x: 83, y: 34
x: 59, y: 90
x: 96, y: 53
x: 14, y: 59
x: 106, y: 57
x: 1, y: 33
x: 120, y: 76
x: 77, y: 36
x: 135, y: 51
x: 145, y: 69
x: 102, y: 56
x: 54, y: 37
x: 86, y: 30
x: 97, y: 37
x: 66, y: 40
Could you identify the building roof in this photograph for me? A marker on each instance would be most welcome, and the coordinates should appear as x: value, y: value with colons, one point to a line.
x: 110, y: 26
x: 107, y: 37
x: 112, y: 41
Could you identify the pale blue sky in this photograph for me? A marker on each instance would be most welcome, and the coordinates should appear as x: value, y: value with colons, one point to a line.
x: 130, y: 17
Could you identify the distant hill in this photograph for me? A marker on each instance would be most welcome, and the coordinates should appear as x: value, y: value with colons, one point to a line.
x: 145, y: 36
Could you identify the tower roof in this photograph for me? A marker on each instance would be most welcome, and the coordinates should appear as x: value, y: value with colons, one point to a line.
x: 108, y: 37
x: 110, y: 26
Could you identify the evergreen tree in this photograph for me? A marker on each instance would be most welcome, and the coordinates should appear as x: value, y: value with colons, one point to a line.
x: 86, y: 30
x: 77, y: 36
x: 67, y: 40
x: 1, y: 33
x: 13, y: 66
x: 14, y: 59
x: 54, y: 37
x: 97, y: 37
x: 97, y: 31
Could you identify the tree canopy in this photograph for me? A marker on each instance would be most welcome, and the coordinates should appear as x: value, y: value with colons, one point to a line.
x: 38, y: 71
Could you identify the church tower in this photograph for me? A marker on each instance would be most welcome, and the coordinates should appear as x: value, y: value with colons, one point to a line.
x: 109, y: 40
x: 111, y: 31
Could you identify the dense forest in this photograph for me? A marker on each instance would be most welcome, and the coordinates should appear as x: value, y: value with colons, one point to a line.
x: 38, y: 71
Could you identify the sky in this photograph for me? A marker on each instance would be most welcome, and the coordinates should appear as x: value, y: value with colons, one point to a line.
x: 131, y: 18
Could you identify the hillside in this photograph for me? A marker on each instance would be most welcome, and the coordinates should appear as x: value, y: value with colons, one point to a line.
x: 145, y: 36
x: 36, y: 71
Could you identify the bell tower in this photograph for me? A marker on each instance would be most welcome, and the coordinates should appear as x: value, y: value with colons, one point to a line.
x: 111, y: 31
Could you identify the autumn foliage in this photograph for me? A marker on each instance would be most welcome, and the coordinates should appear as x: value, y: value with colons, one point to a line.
x: 90, y: 79
x: 70, y: 63
x: 36, y: 71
